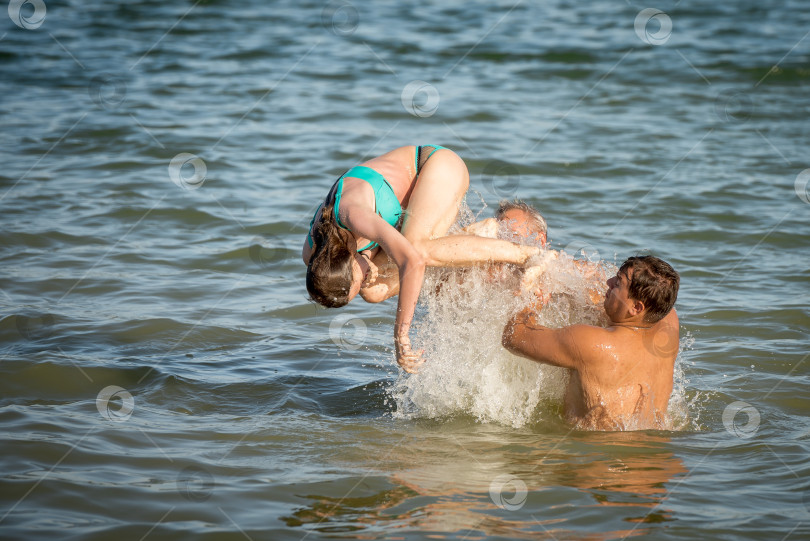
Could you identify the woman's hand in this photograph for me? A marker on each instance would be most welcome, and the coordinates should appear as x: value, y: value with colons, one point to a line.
x: 408, y: 359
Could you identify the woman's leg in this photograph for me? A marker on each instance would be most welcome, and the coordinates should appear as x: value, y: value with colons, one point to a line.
x: 432, y: 209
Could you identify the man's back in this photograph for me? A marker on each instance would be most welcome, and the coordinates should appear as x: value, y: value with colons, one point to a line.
x: 625, y: 379
x: 621, y: 376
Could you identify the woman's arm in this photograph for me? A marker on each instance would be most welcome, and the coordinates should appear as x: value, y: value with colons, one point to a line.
x: 411, y: 265
x: 411, y: 277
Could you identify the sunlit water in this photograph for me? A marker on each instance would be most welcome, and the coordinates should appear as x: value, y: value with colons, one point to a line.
x: 164, y: 377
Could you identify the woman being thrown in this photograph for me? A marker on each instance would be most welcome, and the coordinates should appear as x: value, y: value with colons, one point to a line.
x: 357, y: 229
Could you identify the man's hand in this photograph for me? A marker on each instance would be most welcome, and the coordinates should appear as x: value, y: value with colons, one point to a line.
x: 532, y: 281
x: 385, y: 285
x: 528, y: 317
x: 527, y: 252
x: 372, y: 274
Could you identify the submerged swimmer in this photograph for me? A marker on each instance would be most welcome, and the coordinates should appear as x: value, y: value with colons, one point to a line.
x: 621, y: 376
x: 519, y: 222
x: 514, y: 220
x: 357, y: 245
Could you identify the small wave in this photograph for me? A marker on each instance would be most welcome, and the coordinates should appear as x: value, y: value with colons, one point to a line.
x: 61, y: 378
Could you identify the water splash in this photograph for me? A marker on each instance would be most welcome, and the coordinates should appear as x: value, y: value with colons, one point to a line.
x: 683, y: 411
x: 461, y: 320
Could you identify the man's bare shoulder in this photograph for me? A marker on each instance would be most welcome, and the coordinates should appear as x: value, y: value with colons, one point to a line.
x: 669, y: 320
x: 588, y: 338
x: 665, y: 336
x: 586, y: 331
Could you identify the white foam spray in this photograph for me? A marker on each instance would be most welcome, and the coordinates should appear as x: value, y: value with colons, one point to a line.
x: 461, y: 318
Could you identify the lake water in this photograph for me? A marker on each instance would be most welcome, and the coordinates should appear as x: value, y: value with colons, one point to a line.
x: 164, y: 376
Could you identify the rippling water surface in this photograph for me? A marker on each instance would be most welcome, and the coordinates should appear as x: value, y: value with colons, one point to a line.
x: 164, y: 376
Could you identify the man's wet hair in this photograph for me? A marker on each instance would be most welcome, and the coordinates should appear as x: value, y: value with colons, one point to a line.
x: 653, y: 282
x: 535, y: 217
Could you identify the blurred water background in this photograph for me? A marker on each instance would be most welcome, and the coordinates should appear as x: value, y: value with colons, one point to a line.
x: 163, y: 375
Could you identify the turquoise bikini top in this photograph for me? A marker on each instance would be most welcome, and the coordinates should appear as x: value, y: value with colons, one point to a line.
x: 385, y: 200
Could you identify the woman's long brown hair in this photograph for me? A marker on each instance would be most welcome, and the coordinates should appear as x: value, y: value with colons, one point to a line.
x: 329, y: 273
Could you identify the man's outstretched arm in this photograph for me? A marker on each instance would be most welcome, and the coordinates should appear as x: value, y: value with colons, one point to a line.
x: 525, y: 337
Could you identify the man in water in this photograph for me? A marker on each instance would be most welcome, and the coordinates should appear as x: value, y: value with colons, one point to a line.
x: 521, y: 223
x: 621, y: 375
x: 514, y: 220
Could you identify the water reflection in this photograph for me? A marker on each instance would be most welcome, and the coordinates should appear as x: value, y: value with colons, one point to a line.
x: 480, y: 484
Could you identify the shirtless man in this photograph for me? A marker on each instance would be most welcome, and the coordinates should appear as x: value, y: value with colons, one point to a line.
x: 516, y: 221
x: 621, y: 376
x: 521, y: 223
